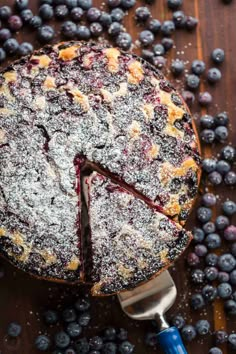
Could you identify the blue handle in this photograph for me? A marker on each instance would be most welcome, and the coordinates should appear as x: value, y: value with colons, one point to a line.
x: 171, y: 342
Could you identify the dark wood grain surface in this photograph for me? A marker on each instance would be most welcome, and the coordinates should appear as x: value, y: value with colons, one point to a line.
x: 23, y: 298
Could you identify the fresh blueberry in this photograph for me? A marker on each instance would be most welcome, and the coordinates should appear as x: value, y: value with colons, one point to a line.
x: 25, y: 48
x: 193, y: 81
x: 223, y: 167
x: 193, y: 259
x: 209, y: 227
x: 167, y: 43
x: 113, y: 3
x: 215, y: 350
x: 211, y: 273
x: 232, y: 340
x: 230, y: 308
x: 61, y: 339
x: 124, y: 40
x: 5, y: 34
x: 105, y: 19
x: 178, y: 321
x: 84, y: 319
x: 221, y: 133
x: 45, y: 34
x: 221, y: 337
x: 191, y: 23
x: 70, y: 351
x: 179, y: 19
x: 61, y: 11
x: 11, y: 46
x: 69, y: 29
x: 2, y: 55
x: 122, y: 334
x: 73, y: 329
x: 202, y: 327
x: 109, y: 348
x: 221, y: 222
x: 15, y: 23
x: 76, y: 14
x: 221, y: 119
x: 198, y: 67
x: 26, y: 15
x: 200, y: 250
x: 21, y: 4
x: 69, y: 315
x: 223, y: 277
x: 151, y: 339
x: 189, y: 97
x: 207, y: 121
x: 228, y: 153
x: 109, y: 334
x: 167, y: 28
x: 159, y: 61
x: 224, y: 290
x: 154, y: 26
x: 209, y: 199
x: 96, y: 29
x: 230, y: 178
x: 14, y: 329
x: 174, y: 4
x: 46, y: 12
x: 35, y: 22
x: 209, y: 292
x: 5, y: 13
x: 218, y: 55
x: 209, y: 165
x: 204, y: 214
x: 42, y: 343
x: 146, y: 38
x: 233, y: 249
x: 213, y: 75
x: 71, y: 4
x: 85, y: 4
x: 211, y: 259
x: 126, y: 348
x: 147, y: 54
x: 93, y: 14
x: 50, y: 317
x: 198, y: 235
x: 226, y: 262
x: 82, y: 345
x: 204, y: 99
x: 197, y: 302
x: 142, y: 13
x: 230, y: 233
x: 83, y: 32
x: 215, y: 178
x: 234, y: 296
x: 197, y: 276
x: 188, y: 333
x: 208, y: 136
x: 115, y: 29
x: 128, y: 4
x: 177, y: 67
x: 96, y: 343
x: 232, y: 277
x: 229, y: 207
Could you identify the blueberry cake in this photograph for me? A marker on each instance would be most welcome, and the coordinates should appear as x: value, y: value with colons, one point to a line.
x: 130, y: 241
x: 74, y: 105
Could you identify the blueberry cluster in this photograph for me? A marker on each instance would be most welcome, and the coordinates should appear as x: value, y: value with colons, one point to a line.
x: 221, y: 170
x: 214, y: 128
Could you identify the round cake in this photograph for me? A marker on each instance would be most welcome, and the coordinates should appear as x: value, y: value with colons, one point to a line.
x: 72, y: 109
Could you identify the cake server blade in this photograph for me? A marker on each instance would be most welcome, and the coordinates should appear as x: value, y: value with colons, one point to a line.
x: 150, y: 301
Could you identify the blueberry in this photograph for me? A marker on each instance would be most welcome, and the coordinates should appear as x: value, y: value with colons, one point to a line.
x: 191, y: 23
x: 4, y: 34
x: 232, y: 340
x: 158, y: 49
x: 177, y: 67
x: 50, y: 317
x: 200, y: 250
x: 5, y: 12
x: 234, y: 296
x: 69, y: 351
x: 42, y: 343
x: 209, y: 199
x: 167, y: 28
x: 188, y: 333
x: 121, y: 334
x: 124, y: 40
x: 96, y: 343
x: 179, y: 19
x: 223, y: 277
x: 198, y: 234
x: 218, y: 55
x: 211, y: 259
x: 45, y: 34
x: 25, y: 48
x: 228, y: 153
x: 93, y: 14
x: 230, y: 178
x: 15, y: 23
x: 178, y: 321
x: 142, y: 13
x: 76, y: 14
x: 2, y: 58
x: 147, y: 54
x: 209, y: 227
x: 61, y: 11
x: 193, y: 259
x: 209, y: 292
x: 128, y: 4
x: 198, y: 67
x: 207, y: 136
x: 232, y: 277
x: 82, y: 346
x: 229, y: 207
x: 221, y: 222
x: 113, y: 3
x: 221, y: 337
x: 109, y: 348
x: 154, y: 26
x: 117, y: 14
x: 230, y: 233
x: 211, y: 273
x: 26, y: 15
x: 146, y: 38
x: 189, y: 97
x: 151, y: 339
x: 167, y: 43
x: 85, y: 4
x: 94, y: 352
x: 159, y: 61
x: 221, y: 133
x: 73, y: 329
x: 61, y: 339
x: 233, y: 249
x: 174, y: 4
x: 49, y: 2
x: 69, y: 315
x: 35, y: 22
x: 207, y: 121
x: 215, y: 350
x: 193, y: 81
x: 96, y: 29
x: 204, y: 214
x: 11, y: 46
x: 197, y: 302
x: 84, y: 319
x: 115, y: 29
x: 71, y: 4
x: 230, y: 307
x: 215, y: 178
x: 109, y: 334
x: 209, y: 165
x: 223, y: 167
x: 197, y: 276
x: 14, y: 329
x: 224, y: 290
x: 105, y: 19
x: 221, y: 119
x: 202, y: 327
x: 213, y: 75
x: 83, y: 32
x: 69, y: 29
x: 46, y: 12
x: 21, y: 4
x: 226, y: 262
x: 126, y: 348
x: 204, y: 98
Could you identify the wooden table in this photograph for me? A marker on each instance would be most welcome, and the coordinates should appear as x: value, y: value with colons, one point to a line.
x: 23, y: 298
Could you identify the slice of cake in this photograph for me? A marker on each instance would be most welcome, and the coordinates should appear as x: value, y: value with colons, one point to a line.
x: 130, y: 241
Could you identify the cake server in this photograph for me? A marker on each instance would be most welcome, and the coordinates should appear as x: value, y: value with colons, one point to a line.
x: 150, y: 301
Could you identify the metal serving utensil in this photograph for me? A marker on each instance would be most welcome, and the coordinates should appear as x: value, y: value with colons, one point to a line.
x: 150, y: 301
